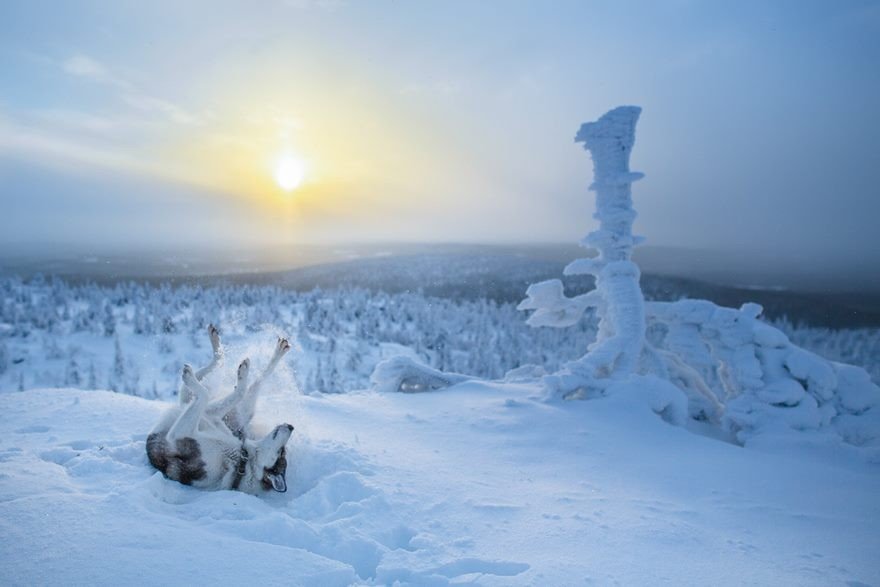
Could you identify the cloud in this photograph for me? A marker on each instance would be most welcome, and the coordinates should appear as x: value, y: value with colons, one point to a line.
x: 327, y: 5
x: 72, y: 139
x: 152, y: 104
x: 48, y: 148
x: 87, y: 67
x: 443, y: 87
x: 83, y: 66
x: 75, y: 121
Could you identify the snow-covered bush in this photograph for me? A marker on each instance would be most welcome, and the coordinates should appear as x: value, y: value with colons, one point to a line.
x: 759, y: 380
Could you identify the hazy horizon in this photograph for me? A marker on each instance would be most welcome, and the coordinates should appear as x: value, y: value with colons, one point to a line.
x: 734, y: 269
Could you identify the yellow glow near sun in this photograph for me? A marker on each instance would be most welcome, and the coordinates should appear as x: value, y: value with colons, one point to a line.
x: 290, y: 171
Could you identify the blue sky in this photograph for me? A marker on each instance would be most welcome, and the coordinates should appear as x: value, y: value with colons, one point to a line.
x: 146, y: 124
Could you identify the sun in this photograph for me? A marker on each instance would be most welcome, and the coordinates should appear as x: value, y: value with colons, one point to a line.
x: 290, y: 171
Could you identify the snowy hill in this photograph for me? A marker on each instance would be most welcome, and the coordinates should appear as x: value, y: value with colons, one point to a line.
x: 479, y: 484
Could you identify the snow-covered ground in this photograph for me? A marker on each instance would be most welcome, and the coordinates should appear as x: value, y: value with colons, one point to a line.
x: 477, y: 484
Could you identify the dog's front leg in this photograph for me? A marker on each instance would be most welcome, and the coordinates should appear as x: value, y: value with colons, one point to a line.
x: 187, y: 423
x: 227, y: 407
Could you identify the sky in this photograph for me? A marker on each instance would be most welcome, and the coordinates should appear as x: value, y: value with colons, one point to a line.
x: 165, y: 124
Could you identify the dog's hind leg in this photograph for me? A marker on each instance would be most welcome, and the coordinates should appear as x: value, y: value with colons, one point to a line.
x: 245, y: 410
x: 187, y: 423
x: 226, y: 407
x: 217, y: 357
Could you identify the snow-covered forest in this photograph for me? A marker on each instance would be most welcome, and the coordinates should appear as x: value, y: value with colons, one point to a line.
x: 133, y: 338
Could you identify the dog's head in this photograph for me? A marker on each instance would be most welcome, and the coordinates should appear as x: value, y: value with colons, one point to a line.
x: 271, y: 464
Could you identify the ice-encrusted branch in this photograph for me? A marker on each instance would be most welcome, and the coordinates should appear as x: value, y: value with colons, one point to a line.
x: 552, y: 307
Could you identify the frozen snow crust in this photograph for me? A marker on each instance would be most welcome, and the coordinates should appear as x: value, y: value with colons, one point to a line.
x: 484, y: 484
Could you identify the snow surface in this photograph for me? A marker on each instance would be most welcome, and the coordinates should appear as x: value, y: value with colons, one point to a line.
x: 479, y: 484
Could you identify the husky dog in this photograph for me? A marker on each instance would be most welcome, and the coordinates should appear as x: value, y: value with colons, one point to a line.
x: 208, y: 444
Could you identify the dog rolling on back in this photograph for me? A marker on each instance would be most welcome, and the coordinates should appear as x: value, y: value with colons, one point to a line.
x: 209, y: 445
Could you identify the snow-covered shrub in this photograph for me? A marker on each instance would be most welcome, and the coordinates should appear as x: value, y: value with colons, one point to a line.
x: 762, y: 381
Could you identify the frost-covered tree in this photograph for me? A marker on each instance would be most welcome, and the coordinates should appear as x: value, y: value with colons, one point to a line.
x: 163, y: 345
x: 4, y: 357
x: 71, y: 374
x: 93, y: 376
x: 116, y: 381
x: 617, y: 298
x: 53, y: 349
x: 711, y: 363
x: 109, y: 320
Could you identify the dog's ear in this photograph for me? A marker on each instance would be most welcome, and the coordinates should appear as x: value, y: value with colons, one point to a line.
x: 279, y: 483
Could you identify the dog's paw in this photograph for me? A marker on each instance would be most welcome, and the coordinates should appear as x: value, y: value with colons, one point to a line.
x: 214, y: 334
x: 188, y: 376
x: 283, y: 346
x: 243, y: 369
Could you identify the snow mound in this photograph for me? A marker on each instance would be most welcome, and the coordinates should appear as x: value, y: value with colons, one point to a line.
x: 405, y: 374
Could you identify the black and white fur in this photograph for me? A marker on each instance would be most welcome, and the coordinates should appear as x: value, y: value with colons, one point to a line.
x: 208, y: 444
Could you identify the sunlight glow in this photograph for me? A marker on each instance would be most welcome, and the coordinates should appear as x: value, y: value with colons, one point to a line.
x: 290, y: 171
